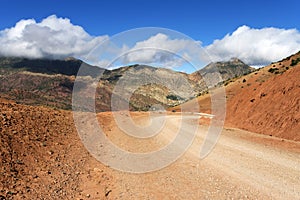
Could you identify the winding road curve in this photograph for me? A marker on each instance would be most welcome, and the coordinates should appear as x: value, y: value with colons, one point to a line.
x: 243, y: 165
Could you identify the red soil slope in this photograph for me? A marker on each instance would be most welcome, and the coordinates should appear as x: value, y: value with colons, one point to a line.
x: 265, y: 101
x: 271, y: 107
x: 42, y: 156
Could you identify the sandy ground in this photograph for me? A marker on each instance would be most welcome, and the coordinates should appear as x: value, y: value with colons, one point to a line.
x: 243, y: 165
x: 42, y: 157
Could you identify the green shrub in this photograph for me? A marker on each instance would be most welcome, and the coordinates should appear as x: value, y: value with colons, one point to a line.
x: 295, y: 62
x: 272, y: 70
x: 174, y: 97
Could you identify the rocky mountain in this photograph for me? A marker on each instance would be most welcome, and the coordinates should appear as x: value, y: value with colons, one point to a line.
x: 68, y: 66
x: 219, y: 72
x: 228, y: 70
x: 147, y: 86
x: 142, y: 87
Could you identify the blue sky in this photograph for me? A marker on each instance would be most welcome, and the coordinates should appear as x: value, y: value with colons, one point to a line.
x: 204, y: 21
x: 201, y: 20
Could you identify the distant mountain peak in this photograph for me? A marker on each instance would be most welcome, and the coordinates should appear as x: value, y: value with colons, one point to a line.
x: 228, y: 69
x: 235, y: 60
x: 70, y: 59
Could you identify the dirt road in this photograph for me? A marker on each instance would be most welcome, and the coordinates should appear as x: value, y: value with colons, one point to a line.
x: 242, y: 165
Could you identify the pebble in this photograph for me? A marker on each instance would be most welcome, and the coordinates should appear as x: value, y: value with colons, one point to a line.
x: 98, y: 170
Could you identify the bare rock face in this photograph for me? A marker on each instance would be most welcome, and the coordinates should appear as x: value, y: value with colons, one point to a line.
x: 218, y: 72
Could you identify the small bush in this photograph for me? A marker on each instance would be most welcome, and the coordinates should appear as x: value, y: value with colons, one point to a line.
x: 263, y: 95
x: 272, y: 70
x: 295, y: 62
x: 174, y: 97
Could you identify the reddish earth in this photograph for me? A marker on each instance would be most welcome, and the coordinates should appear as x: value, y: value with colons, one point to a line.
x: 266, y: 101
x: 42, y: 157
x: 271, y: 108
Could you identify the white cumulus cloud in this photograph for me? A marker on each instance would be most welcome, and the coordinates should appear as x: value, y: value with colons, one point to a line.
x: 256, y: 46
x: 160, y: 48
x: 58, y: 38
x: 53, y: 37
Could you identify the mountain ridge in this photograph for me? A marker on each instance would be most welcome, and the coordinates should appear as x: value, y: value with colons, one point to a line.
x: 50, y: 82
